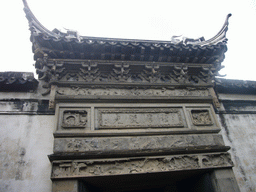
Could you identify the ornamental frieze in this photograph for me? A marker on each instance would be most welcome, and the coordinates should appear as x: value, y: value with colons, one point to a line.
x: 144, y: 73
x: 90, y: 168
x: 138, y: 143
x: 132, y: 92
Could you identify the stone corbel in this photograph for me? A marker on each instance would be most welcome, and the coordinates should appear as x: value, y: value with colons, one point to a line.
x: 52, y: 96
x: 215, y: 100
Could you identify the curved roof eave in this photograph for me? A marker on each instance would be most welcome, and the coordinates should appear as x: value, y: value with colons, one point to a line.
x: 35, y: 25
x: 37, y: 28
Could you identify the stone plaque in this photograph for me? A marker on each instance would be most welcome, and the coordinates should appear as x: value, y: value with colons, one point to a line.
x: 127, y: 118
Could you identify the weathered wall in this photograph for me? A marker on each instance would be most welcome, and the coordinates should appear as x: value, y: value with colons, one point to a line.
x: 238, y: 121
x: 25, y: 141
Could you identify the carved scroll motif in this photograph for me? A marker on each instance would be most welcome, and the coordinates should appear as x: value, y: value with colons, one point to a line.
x: 139, y: 118
x: 201, y: 117
x: 74, y: 119
x: 89, y: 168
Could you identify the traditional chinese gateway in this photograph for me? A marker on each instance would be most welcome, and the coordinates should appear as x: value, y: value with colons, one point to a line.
x: 132, y: 115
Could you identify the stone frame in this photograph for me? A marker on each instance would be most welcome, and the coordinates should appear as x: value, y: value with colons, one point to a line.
x: 92, y: 112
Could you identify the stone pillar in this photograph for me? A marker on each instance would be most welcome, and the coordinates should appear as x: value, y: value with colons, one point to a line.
x: 65, y: 186
x: 223, y: 180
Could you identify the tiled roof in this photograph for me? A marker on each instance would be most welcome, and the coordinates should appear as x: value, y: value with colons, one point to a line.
x: 17, y: 81
x: 235, y: 86
x: 71, y: 45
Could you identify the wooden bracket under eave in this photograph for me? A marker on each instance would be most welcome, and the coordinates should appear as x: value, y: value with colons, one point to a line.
x: 215, y: 99
x: 52, y: 97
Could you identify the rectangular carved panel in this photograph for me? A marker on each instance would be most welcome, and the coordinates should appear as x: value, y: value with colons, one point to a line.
x: 74, y: 119
x: 127, y: 166
x: 138, y: 143
x: 139, y: 118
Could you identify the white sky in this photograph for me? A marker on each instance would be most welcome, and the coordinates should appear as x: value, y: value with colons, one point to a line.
x: 134, y: 19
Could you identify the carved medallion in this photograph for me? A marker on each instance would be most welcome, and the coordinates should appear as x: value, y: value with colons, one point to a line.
x: 201, y: 117
x: 74, y: 119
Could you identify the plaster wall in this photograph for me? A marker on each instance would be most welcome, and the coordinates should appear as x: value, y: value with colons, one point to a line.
x: 25, y: 142
x: 239, y: 132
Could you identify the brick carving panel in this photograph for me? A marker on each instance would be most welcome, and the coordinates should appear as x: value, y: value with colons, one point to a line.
x: 201, y: 117
x: 74, y: 119
x: 89, y: 168
x: 62, y: 91
x: 138, y: 143
x: 139, y: 118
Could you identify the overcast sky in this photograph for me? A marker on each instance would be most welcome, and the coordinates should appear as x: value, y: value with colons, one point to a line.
x: 134, y: 19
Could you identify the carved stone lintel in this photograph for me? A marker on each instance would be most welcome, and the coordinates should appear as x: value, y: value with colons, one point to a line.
x: 124, y: 166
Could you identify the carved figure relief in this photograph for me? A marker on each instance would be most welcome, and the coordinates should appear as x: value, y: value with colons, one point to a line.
x: 74, y: 119
x: 110, y: 144
x: 88, y: 168
x: 201, y: 117
x: 140, y: 118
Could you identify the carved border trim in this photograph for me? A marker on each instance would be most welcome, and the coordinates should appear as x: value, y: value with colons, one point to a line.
x: 107, y: 167
x: 113, y: 90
